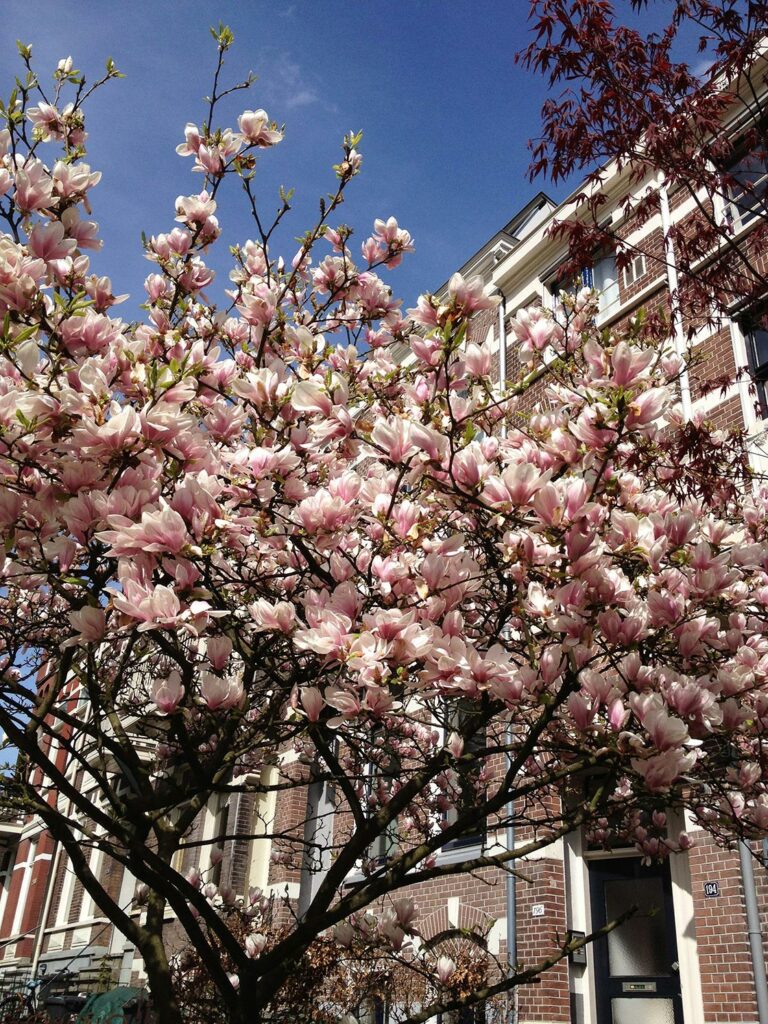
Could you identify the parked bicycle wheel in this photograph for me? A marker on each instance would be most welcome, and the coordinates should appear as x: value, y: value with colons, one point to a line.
x: 16, y: 1009
x: 13, y: 1008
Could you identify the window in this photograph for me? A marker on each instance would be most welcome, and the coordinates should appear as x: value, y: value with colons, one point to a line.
x: 746, y: 185
x: 379, y: 779
x: 463, y: 716
x: 466, y: 1015
x: 602, y: 276
x: 606, y: 284
x: 634, y: 270
x: 318, y: 839
x: 7, y: 854
x: 755, y: 331
x: 373, y: 1011
x: 565, y: 283
x: 219, y: 839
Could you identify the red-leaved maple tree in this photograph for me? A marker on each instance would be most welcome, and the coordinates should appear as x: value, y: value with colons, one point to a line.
x: 683, y: 106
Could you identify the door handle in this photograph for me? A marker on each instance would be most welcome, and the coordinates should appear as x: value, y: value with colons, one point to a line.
x: 675, y: 967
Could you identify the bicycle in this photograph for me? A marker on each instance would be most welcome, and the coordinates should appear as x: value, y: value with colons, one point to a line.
x: 36, y: 1004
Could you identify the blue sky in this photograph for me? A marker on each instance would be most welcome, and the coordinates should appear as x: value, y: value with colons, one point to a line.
x: 432, y: 83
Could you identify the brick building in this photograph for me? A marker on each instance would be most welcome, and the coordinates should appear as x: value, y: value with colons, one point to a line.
x: 701, y: 959
x: 691, y: 963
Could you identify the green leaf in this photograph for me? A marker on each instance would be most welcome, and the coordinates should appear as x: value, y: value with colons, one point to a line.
x: 223, y: 36
x: 75, y: 581
x: 27, y: 332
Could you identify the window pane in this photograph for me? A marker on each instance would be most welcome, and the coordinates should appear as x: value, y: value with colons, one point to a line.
x: 750, y: 183
x: 759, y: 341
x: 463, y: 715
x: 749, y: 170
x: 606, y: 281
x: 643, y: 1011
x: 637, y: 948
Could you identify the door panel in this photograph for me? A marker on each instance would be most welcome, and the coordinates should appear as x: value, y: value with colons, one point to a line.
x: 636, y: 970
x: 643, y: 1011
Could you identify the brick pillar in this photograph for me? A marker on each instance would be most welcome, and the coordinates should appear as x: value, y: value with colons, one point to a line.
x: 32, y: 917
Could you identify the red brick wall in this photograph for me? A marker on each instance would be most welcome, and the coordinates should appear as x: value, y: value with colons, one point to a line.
x: 33, y: 904
x: 537, y: 939
x: 721, y: 933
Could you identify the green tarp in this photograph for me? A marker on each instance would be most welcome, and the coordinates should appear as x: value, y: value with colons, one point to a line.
x: 107, y: 1007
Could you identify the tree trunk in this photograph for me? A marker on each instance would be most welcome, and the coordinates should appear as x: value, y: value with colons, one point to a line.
x: 164, y: 1001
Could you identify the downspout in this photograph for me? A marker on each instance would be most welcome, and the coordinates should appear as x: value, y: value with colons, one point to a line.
x: 512, y: 891
x: 510, y: 830
x: 678, y: 334
x: 503, y: 350
x: 754, y: 933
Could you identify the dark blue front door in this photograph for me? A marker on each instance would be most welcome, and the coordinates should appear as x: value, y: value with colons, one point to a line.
x: 637, y: 977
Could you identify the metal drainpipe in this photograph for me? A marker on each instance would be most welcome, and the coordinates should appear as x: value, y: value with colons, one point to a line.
x: 753, y: 932
x: 672, y: 283
x: 503, y: 349
x: 512, y: 893
x: 510, y: 831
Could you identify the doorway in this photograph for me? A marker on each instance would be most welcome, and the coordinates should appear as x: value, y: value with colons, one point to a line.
x: 637, y: 979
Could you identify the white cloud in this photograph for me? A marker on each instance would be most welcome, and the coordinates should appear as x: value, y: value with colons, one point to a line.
x: 302, y: 98
x: 285, y: 84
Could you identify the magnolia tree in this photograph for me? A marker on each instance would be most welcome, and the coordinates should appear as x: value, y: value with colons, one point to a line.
x: 300, y: 538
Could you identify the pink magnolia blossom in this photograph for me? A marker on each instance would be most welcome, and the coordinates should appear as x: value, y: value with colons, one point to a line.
x: 312, y: 702
x: 157, y: 606
x: 257, y: 129
x: 218, y: 650
x: 48, y: 241
x: 344, y: 933
x: 629, y: 363
x: 34, y: 186
x: 254, y: 945
x: 281, y: 616
x: 220, y: 693
x: 647, y: 407
x: 90, y: 624
x: 161, y: 531
x: 195, y: 209
x: 168, y: 693
x: 445, y: 969
x: 659, y: 771
x: 472, y: 295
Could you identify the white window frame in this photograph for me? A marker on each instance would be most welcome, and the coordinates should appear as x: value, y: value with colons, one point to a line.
x: 605, y: 277
x: 754, y: 199
x: 634, y: 270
